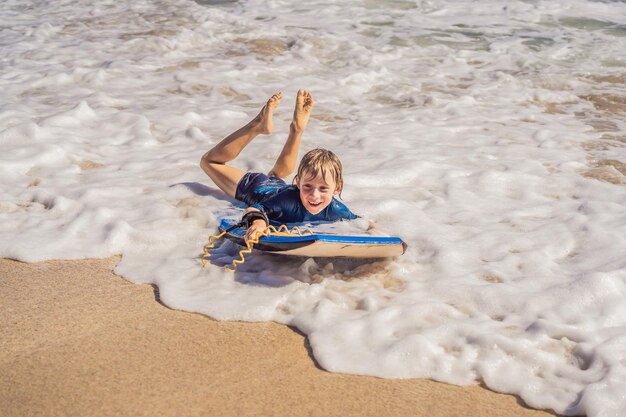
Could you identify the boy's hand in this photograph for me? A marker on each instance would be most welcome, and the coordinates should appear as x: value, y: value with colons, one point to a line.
x: 258, y: 226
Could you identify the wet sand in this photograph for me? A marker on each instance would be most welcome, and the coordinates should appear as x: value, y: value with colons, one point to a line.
x: 77, y: 340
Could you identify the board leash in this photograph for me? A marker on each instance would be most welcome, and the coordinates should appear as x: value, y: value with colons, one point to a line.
x: 270, y: 230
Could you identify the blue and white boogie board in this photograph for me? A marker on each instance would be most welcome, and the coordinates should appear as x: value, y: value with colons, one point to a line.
x: 323, y: 240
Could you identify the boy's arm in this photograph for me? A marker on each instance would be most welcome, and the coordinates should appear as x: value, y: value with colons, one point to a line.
x: 256, y: 222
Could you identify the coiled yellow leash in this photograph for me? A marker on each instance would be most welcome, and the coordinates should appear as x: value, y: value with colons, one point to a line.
x: 283, y: 230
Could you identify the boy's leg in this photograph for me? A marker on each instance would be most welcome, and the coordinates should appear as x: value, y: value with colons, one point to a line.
x: 214, y: 161
x: 286, y: 162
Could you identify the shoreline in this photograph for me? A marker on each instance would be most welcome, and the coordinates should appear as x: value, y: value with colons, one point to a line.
x: 76, y: 339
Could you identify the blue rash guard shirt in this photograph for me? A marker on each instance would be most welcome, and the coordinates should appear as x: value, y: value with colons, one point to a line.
x: 281, y: 202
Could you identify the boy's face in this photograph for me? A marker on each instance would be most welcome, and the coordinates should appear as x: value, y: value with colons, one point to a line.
x: 316, y: 193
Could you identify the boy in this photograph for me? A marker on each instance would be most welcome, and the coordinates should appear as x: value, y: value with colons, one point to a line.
x: 318, y: 180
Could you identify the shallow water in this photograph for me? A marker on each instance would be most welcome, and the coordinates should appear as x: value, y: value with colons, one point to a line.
x: 491, y: 137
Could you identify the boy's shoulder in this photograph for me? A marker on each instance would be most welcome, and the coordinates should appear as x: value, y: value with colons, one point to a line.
x: 339, y: 211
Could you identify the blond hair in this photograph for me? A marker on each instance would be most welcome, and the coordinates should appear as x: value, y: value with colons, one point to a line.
x: 318, y: 162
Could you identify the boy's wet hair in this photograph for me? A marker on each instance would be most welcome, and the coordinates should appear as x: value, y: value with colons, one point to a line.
x: 318, y: 162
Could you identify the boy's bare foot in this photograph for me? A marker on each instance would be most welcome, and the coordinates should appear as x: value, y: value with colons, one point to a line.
x: 304, y: 105
x: 263, y: 122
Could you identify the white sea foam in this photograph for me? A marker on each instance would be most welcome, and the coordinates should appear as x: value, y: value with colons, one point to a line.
x: 488, y: 135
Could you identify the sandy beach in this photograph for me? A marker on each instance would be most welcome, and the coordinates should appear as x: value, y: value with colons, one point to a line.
x: 77, y: 340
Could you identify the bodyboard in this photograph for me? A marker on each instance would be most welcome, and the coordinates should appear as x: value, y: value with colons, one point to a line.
x: 320, y: 243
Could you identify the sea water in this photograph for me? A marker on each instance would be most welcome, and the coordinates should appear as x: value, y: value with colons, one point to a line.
x: 489, y: 135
